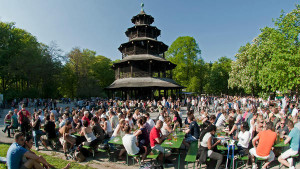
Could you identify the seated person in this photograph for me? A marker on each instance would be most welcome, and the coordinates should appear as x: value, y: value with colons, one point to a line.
x: 142, y: 134
x: 66, y: 138
x: 105, y: 124
x: 156, y: 139
x: 131, y: 144
x: 41, y: 161
x: 193, y: 132
x: 207, y: 144
x: 232, y: 128
x: 177, y: 119
x: 16, y: 153
x: 97, y: 129
x: 12, y: 124
x: 282, y: 128
x: 221, y: 120
x: 167, y: 127
x: 76, y: 123
x: 263, y: 149
x: 244, y: 138
x: 50, y: 131
x: 87, y: 132
x: 294, y: 139
x: 119, y: 130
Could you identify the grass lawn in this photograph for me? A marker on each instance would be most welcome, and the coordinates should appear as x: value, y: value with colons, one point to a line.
x: 57, y: 162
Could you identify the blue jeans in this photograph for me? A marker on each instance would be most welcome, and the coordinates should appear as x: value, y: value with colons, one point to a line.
x: 190, y: 138
x: 36, y: 136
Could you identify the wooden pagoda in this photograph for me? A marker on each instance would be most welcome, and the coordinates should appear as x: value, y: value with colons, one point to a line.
x: 143, y: 70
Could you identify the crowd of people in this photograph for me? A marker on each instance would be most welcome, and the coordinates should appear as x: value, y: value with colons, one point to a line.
x: 254, y: 123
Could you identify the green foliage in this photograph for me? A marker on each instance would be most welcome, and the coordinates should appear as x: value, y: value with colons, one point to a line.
x: 219, y: 74
x: 185, y: 53
x: 271, y: 62
x: 32, y: 69
x: 26, y: 66
x: 86, y: 74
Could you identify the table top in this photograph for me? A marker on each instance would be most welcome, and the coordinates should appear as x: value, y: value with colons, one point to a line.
x: 76, y: 134
x: 116, y: 140
x: 223, y: 148
x: 281, y: 144
x: 171, y: 143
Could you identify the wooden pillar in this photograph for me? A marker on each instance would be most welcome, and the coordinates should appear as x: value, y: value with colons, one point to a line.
x: 118, y: 72
x: 131, y: 70
x: 158, y: 74
x: 171, y: 74
x: 147, y: 47
x: 150, y: 71
x: 164, y: 73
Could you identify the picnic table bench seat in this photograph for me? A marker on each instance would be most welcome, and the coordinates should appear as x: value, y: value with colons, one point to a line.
x: 192, y: 154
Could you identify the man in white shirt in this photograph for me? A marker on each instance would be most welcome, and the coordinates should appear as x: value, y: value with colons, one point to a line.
x: 149, y: 120
x: 131, y: 144
x: 221, y: 120
x: 295, y: 111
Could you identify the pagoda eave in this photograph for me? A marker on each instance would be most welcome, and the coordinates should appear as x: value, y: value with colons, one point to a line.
x: 140, y: 82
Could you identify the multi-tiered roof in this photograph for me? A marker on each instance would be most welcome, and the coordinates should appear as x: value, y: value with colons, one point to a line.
x: 143, y: 69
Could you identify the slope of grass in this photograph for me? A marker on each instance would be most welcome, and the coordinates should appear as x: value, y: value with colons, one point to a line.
x: 52, y: 159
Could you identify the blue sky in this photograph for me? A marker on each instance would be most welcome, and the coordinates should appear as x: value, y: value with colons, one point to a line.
x: 220, y: 27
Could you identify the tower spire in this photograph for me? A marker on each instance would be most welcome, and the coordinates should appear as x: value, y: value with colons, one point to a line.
x: 142, y: 6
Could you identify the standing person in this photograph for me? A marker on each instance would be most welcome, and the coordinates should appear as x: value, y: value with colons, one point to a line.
x: 294, y: 139
x: 156, y: 139
x: 36, y: 131
x: 266, y: 140
x: 24, y: 120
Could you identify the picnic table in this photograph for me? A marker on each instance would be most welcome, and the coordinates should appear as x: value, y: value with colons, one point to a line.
x: 116, y: 140
x: 174, y: 143
x: 281, y: 144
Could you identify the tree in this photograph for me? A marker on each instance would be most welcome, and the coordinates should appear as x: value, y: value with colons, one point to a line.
x: 185, y: 53
x: 219, y: 75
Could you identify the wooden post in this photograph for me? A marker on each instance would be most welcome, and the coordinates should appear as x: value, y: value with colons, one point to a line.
x: 131, y: 70
x: 150, y: 71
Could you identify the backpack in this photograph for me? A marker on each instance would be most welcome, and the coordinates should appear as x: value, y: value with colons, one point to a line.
x: 78, y: 155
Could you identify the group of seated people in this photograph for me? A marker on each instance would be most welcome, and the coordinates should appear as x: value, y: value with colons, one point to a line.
x: 256, y: 131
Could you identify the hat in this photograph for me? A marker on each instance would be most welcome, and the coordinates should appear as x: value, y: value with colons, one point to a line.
x: 103, y: 116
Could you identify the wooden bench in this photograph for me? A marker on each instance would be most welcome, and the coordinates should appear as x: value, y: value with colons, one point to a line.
x: 133, y: 160
x: 93, y: 150
x: 192, y: 154
x: 242, y: 159
x: 153, y: 154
